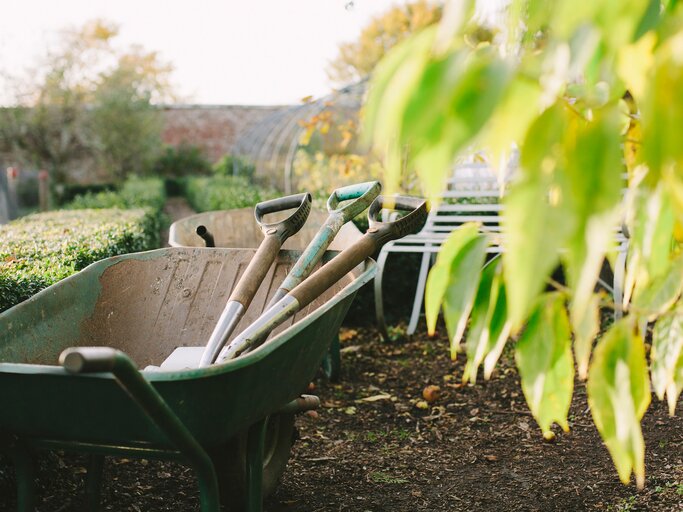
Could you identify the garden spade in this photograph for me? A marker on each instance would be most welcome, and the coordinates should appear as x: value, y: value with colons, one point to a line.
x: 275, y: 234
x: 361, y: 196
x: 303, y: 294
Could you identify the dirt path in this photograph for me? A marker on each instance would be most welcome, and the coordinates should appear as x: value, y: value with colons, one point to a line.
x: 175, y: 209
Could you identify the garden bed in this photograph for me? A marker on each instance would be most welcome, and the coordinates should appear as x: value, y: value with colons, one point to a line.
x: 371, y: 448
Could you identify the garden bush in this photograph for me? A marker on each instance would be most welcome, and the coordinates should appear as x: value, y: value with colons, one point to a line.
x: 39, y: 250
x: 230, y: 165
x: 135, y: 193
x: 184, y: 160
x: 224, y: 193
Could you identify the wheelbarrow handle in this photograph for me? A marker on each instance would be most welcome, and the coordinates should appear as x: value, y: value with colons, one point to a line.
x: 205, y: 235
x: 377, y: 235
x: 152, y: 405
x: 90, y: 359
x: 364, y: 193
x: 292, y: 224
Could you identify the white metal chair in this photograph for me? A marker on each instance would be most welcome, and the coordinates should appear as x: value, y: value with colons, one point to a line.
x: 472, y: 194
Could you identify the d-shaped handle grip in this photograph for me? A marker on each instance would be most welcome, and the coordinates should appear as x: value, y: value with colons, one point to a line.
x: 292, y: 224
x: 409, y: 224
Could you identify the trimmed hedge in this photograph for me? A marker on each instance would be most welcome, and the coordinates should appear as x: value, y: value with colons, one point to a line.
x: 135, y: 193
x: 39, y: 250
x: 224, y: 193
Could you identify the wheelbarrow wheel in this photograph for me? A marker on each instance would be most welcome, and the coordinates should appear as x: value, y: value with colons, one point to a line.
x: 231, y: 462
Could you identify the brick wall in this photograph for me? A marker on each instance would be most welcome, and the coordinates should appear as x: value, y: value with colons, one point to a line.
x: 214, y: 128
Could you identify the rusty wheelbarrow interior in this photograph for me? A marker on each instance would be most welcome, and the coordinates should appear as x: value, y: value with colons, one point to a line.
x: 146, y: 305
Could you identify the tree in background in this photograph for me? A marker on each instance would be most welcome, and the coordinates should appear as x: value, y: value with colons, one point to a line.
x: 90, y: 100
x: 590, y: 92
x: 356, y: 60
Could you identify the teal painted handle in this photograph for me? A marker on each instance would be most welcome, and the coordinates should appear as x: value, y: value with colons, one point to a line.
x: 364, y: 193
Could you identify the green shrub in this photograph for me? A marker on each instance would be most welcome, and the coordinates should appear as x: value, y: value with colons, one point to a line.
x: 39, y: 250
x: 135, y: 193
x: 230, y: 165
x: 224, y: 193
x: 66, y: 193
x: 183, y: 160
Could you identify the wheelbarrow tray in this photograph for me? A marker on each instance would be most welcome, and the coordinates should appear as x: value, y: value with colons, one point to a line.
x: 237, y: 229
x: 146, y: 304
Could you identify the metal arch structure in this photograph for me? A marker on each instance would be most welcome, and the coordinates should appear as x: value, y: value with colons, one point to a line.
x: 271, y: 144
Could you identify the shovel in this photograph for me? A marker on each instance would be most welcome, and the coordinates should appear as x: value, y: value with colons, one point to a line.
x: 363, y: 194
x: 378, y: 234
x: 275, y: 234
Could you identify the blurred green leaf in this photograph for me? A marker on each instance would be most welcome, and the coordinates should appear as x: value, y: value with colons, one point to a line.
x: 478, y: 336
x: 661, y: 293
x: 499, y: 331
x: 618, y: 396
x: 394, y: 82
x: 595, y: 197
x: 462, y: 286
x: 666, y: 357
x: 662, y: 110
x: 546, y: 368
x: 651, y: 225
x: 538, y: 217
x: 439, y: 275
x: 586, y: 325
x: 515, y: 112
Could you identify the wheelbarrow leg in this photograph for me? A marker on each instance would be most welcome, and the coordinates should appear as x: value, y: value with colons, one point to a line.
x: 255, y: 441
x: 25, y: 468
x: 93, y: 481
x: 332, y: 361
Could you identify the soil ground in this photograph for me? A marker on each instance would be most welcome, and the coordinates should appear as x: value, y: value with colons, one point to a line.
x: 370, y: 448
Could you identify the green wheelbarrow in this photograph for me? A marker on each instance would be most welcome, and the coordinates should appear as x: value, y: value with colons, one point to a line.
x: 233, y: 422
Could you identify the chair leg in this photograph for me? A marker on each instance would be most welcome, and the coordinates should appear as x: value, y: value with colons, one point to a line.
x: 618, y: 288
x: 255, y: 441
x: 93, y: 481
x: 379, y: 304
x: 419, y: 293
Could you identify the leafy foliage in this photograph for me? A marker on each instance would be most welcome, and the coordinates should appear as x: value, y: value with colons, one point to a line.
x: 135, y: 193
x: 230, y: 165
x: 589, y: 94
x: 90, y: 103
x: 183, y: 160
x: 619, y: 395
x: 39, y: 250
x: 544, y: 359
x: 358, y: 59
x: 224, y: 193
x: 320, y: 173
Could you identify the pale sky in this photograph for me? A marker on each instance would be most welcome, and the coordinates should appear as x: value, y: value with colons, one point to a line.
x: 256, y: 52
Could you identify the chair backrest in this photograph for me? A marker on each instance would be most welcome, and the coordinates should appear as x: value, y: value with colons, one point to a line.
x: 472, y: 194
